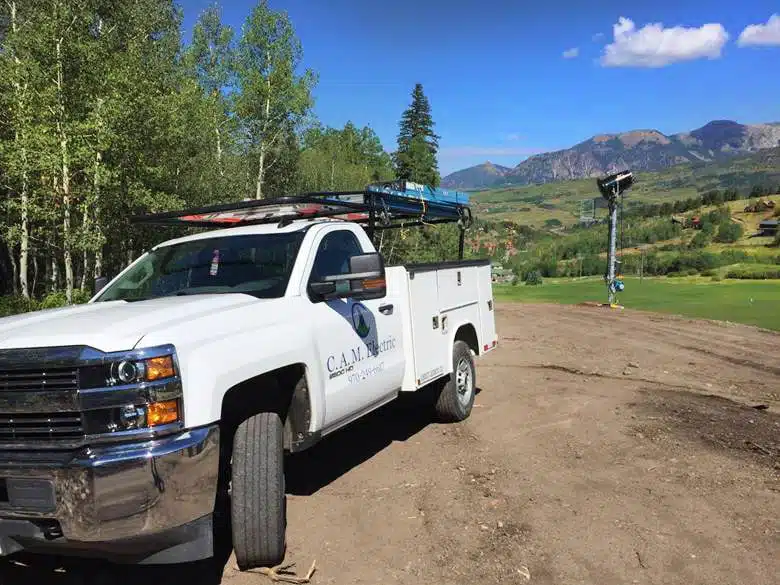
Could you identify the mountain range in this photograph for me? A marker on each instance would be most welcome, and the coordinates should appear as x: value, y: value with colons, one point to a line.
x: 638, y: 150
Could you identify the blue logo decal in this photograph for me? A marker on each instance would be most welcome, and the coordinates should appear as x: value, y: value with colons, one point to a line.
x: 360, y: 320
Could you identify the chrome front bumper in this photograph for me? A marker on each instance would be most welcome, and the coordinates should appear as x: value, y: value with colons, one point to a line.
x: 109, y: 493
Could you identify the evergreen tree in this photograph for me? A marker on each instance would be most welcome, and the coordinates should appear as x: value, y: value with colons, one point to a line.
x: 415, y: 159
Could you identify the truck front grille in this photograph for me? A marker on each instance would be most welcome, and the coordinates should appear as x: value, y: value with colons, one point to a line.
x: 40, y: 406
x: 49, y: 380
x: 41, y: 426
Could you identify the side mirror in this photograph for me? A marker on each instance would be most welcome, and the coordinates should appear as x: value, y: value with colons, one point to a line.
x: 365, y: 280
x: 100, y: 284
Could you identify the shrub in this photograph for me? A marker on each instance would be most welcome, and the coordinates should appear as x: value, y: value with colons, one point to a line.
x: 548, y: 267
x: 13, y: 305
x: 734, y: 257
x: 720, y: 215
x: 533, y: 278
x: 754, y: 273
x: 729, y: 232
x: 698, y: 260
x: 700, y: 240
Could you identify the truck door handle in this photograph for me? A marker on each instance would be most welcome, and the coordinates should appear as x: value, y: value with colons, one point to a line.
x: 386, y: 309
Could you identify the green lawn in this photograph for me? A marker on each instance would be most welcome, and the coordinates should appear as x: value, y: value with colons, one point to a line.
x: 742, y: 301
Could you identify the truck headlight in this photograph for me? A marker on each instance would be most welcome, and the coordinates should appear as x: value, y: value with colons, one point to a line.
x: 151, y: 415
x: 134, y: 417
x: 136, y: 392
x: 147, y: 370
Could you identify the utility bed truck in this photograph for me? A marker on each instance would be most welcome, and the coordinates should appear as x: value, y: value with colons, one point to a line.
x: 128, y: 424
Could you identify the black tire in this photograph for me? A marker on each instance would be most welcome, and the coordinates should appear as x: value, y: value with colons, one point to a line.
x: 257, y: 501
x: 452, y: 405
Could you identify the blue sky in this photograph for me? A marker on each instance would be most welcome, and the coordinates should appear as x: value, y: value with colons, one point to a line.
x: 499, y: 83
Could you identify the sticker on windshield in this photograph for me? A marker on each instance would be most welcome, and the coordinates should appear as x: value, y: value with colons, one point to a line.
x: 214, y: 263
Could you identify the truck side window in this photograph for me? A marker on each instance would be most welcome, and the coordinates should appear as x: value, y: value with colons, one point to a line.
x: 333, y: 255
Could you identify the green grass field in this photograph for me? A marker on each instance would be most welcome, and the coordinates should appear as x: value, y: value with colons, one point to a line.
x: 740, y: 301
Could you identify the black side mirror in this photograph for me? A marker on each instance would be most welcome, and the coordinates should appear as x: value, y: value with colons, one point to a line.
x: 100, y: 284
x: 365, y: 280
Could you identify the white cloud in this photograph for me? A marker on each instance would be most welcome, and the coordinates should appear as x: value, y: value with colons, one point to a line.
x: 597, y: 37
x: 514, y: 137
x: 758, y: 35
x: 656, y: 46
x: 571, y: 53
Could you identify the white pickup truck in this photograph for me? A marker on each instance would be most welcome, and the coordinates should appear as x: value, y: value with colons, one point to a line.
x: 129, y: 422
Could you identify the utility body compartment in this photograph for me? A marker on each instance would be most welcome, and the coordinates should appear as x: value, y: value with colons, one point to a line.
x: 441, y: 299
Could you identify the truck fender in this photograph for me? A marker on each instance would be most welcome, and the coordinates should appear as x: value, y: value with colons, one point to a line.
x: 216, y: 365
x: 465, y: 331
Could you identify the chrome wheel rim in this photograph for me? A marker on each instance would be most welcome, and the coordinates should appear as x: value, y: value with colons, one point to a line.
x: 464, y: 381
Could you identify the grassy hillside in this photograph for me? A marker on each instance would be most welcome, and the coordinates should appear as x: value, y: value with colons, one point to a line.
x: 534, y: 205
x: 739, y: 301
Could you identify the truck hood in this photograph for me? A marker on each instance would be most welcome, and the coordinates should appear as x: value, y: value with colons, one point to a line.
x: 112, y: 325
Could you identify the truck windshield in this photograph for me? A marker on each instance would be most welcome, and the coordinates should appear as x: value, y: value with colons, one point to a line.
x: 256, y: 264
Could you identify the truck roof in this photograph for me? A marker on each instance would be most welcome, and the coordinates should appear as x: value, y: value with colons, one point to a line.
x: 246, y: 230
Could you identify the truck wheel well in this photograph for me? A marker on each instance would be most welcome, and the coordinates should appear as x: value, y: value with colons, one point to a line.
x: 468, y: 335
x: 283, y: 391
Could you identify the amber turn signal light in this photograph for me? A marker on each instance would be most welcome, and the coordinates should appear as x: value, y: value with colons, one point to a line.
x: 162, y: 413
x: 159, y: 368
x: 374, y: 283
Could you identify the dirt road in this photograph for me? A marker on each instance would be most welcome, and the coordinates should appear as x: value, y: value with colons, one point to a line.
x: 605, y: 447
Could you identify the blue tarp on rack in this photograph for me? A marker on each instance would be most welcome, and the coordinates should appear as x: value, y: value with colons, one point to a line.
x: 409, y: 190
x: 411, y: 198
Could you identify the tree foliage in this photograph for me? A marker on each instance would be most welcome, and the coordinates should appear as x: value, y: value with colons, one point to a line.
x: 273, y: 99
x: 418, y: 144
x: 729, y: 232
x: 104, y: 114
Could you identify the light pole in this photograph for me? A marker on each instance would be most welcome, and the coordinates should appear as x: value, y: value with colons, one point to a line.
x: 612, y: 188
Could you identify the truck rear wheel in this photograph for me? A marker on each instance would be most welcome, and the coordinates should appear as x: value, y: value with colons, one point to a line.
x: 457, y: 395
x: 257, y: 501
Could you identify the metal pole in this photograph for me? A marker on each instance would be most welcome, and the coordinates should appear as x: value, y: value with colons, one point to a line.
x: 461, y: 242
x: 612, y: 246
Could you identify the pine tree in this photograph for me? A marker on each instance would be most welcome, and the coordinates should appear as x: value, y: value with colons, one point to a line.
x: 415, y: 159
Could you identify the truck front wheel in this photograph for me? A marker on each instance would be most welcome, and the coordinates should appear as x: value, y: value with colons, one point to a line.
x: 257, y: 500
x: 457, y: 395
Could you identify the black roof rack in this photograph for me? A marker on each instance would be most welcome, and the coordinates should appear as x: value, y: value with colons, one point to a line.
x: 387, y: 205
x: 380, y: 206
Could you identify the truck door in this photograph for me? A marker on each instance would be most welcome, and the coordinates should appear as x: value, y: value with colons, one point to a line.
x: 359, y: 342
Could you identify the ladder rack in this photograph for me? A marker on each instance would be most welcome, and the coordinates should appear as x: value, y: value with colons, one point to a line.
x: 386, y: 205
